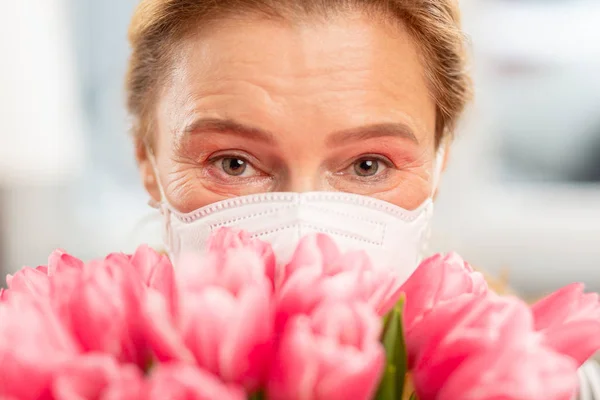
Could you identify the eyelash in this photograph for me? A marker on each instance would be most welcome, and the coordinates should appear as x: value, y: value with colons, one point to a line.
x: 384, y: 160
x: 379, y: 175
x: 216, y: 160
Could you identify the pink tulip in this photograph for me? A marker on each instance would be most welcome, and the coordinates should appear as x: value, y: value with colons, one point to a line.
x: 101, y: 305
x: 32, y: 344
x: 151, y: 265
x: 315, y: 252
x: 187, y: 382
x: 436, y: 280
x: 459, y: 339
x: 224, y: 317
x: 34, y: 282
x: 229, y: 238
x: 59, y: 261
x: 332, y: 354
x: 319, y: 272
x: 97, y: 376
x: 524, y: 371
x: 162, y: 329
x: 569, y: 320
x: 156, y: 272
x: 455, y: 331
x: 231, y: 335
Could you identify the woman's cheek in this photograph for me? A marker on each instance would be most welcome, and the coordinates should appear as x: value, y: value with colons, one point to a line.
x: 186, y: 192
x: 193, y: 187
x: 411, y: 191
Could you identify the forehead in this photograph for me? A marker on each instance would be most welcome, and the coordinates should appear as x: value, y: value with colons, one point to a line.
x: 338, y: 74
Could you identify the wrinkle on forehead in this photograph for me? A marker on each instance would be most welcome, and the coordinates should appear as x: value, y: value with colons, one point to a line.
x: 351, y: 63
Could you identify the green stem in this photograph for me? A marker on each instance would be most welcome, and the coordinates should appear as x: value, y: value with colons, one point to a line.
x: 260, y: 395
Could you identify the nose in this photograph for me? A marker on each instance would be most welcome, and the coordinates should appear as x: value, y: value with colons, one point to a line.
x: 305, y: 182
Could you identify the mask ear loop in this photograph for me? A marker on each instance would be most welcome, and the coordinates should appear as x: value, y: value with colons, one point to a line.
x: 437, y: 169
x: 162, y: 204
x: 152, y: 158
x: 437, y: 173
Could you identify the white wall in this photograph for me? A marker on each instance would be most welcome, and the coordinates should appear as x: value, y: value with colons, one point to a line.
x: 41, y: 128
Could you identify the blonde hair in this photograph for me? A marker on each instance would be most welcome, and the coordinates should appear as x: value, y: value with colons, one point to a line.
x: 159, y: 26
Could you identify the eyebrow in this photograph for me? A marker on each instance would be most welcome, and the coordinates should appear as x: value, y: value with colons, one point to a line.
x: 230, y: 126
x: 395, y: 129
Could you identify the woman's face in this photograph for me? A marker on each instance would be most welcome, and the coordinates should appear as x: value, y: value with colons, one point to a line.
x: 261, y: 106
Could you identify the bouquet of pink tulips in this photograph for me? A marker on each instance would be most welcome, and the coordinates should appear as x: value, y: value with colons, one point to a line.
x: 236, y: 325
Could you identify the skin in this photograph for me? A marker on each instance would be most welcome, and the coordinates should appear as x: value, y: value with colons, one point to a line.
x: 256, y: 106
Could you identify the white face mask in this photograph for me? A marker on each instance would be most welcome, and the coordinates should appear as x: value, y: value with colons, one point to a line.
x: 392, y: 236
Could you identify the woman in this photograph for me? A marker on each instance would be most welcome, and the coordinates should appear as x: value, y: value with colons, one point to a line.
x: 284, y: 117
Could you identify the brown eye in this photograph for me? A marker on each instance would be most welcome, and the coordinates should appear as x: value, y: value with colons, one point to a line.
x: 233, y: 166
x: 366, y: 167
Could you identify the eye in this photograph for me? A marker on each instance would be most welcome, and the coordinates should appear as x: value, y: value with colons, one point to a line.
x: 366, y: 167
x: 234, y: 166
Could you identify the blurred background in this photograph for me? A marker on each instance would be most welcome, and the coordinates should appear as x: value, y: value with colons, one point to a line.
x: 521, y: 198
